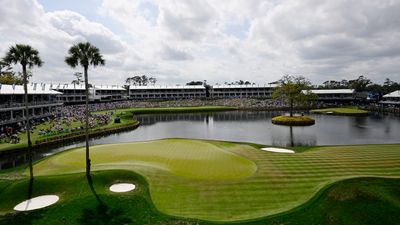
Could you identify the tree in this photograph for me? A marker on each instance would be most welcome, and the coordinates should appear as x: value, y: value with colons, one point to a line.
x: 5, y: 67
x: 7, y: 76
x: 27, y: 57
x: 145, y: 80
x: 152, y: 80
x: 390, y: 86
x: 128, y: 81
x: 293, y: 90
x: 137, y: 80
x: 194, y: 83
x: 140, y: 80
x: 78, y: 79
x: 85, y: 54
x: 359, y: 84
x: 11, y: 78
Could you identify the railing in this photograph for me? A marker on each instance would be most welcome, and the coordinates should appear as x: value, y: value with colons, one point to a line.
x: 35, y: 103
x: 17, y: 119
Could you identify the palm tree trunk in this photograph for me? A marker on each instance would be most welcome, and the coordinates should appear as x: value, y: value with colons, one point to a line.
x: 291, y: 107
x: 87, y: 121
x: 27, y: 124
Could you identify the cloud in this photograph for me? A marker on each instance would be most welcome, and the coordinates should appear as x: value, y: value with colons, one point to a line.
x: 168, y: 53
x: 53, y: 33
x: 328, y: 37
x: 78, y: 27
x: 182, y: 40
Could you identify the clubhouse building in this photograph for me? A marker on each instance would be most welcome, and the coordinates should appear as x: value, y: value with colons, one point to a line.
x: 391, y: 99
x: 75, y: 94
x: 242, y: 91
x: 167, y: 92
x: 334, y: 95
x: 42, y: 102
x: 200, y: 92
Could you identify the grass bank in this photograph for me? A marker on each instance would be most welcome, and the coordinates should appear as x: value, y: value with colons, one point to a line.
x: 218, y: 181
x: 346, y: 111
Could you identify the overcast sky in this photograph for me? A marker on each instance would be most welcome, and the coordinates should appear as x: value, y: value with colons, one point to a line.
x: 177, y: 41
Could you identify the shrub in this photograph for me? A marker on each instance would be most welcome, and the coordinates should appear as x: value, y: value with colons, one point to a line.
x: 293, y: 120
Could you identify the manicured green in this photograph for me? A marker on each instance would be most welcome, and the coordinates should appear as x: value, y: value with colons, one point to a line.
x: 347, y: 111
x: 187, y: 177
x: 293, y: 120
x: 182, y: 158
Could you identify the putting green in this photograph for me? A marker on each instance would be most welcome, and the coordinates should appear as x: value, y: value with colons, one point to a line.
x: 222, y: 181
x: 342, y: 111
x: 184, y: 158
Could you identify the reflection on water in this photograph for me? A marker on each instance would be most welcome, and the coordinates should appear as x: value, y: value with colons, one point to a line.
x: 253, y: 126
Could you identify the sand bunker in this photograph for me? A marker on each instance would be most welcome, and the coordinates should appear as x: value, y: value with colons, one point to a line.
x: 278, y: 150
x: 122, y: 187
x: 37, y: 203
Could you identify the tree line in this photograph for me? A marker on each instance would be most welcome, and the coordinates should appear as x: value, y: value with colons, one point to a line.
x: 362, y: 84
x: 140, y: 80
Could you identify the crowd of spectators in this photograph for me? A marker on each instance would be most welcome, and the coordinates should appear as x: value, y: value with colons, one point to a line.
x: 72, y: 118
x: 239, y: 103
x: 8, y: 134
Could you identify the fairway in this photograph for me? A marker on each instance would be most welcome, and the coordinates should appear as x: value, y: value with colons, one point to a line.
x: 222, y: 181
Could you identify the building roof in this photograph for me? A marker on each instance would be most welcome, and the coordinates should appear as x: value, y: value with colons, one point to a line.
x: 332, y: 91
x: 69, y: 87
x: 33, y: 89
x: 109, y: 87
x: 159, y: 87
x: 82, y: 87
x: 245, y: 86
x: 394, y: 94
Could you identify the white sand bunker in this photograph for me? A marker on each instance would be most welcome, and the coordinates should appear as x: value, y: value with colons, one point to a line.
x: 278, y: 150
x: 122, y: 187
x: 37, y: 203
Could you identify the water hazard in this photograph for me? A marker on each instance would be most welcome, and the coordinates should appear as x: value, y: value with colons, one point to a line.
x: 249, y: 126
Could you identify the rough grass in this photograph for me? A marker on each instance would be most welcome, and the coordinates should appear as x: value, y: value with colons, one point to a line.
x: 280, y: 183
x: 363, y: 201
x: 293, y: 120
x: 349, y: 111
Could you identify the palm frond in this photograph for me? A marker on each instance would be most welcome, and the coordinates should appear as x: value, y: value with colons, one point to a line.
x: 84, y: 54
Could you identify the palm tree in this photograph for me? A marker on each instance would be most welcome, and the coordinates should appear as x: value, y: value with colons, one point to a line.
x: 78, y: 79
x: 26, y: 56
x: 85, y: 54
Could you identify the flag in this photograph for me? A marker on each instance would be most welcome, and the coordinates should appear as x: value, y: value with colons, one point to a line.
x: 13, y: 86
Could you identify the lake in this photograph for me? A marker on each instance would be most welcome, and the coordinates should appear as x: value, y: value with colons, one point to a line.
x: 250, y: 126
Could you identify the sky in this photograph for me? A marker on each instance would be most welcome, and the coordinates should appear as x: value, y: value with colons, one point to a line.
x: 177, y: 41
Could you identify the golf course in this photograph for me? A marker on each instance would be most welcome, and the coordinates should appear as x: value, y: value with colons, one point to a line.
x: 185, y: 181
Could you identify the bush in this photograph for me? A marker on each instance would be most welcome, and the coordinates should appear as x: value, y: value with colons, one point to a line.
x: 293, y: 120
